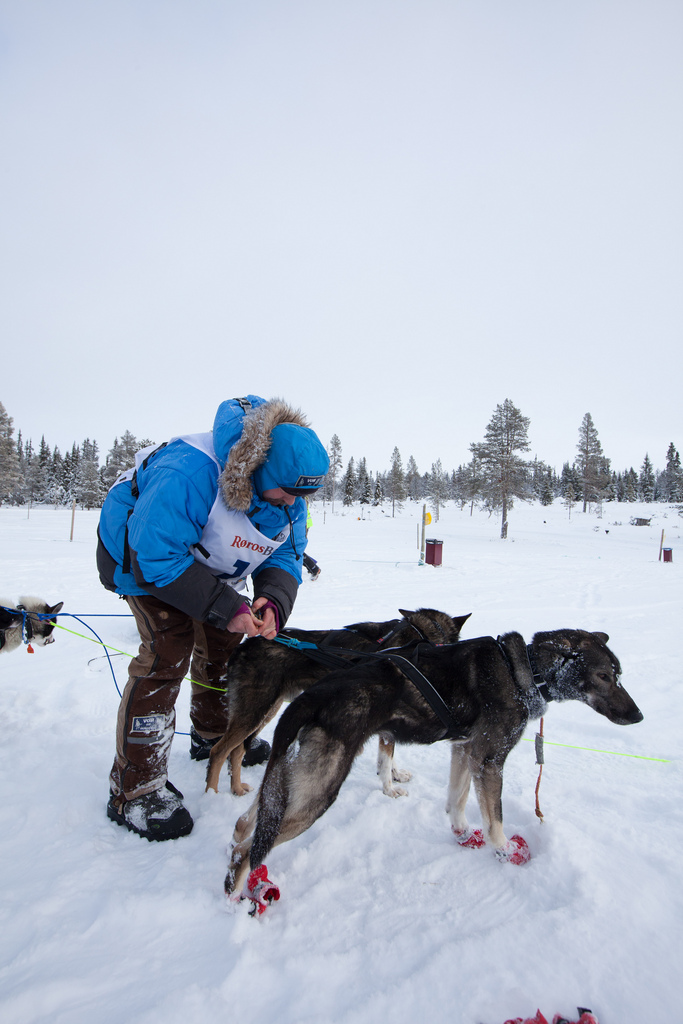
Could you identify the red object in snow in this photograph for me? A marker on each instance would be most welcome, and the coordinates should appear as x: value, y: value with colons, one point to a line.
x: 433, y: 552
x: 538, y: 1019
x: 260, y: 890
x: 585, y: 1017
x: 472, y: 838
x: 516, y: 851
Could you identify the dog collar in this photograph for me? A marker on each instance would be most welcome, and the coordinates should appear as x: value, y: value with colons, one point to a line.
x: 539, y: 681
x: 26, y: 624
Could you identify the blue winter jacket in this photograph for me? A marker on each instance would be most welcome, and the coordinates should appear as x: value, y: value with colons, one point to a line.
x: 145, y: 540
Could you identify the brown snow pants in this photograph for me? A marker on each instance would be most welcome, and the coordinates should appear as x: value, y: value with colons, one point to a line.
x: 146, y: 717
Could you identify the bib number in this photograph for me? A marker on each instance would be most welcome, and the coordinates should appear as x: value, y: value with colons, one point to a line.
x: 240, y: 570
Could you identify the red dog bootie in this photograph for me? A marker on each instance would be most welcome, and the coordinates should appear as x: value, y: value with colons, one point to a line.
x: 260, y: 890
x: 516, y: 851
x: 472, y: 838
x: 538, y: 1019
x: 585, y: 1017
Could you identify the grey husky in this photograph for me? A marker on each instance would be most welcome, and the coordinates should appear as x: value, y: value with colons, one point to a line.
x: 31, y: 616
x: 262, y: 674
x: 491, y: 687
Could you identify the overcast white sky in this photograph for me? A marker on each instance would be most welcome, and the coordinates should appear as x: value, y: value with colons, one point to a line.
x: 394, y: 213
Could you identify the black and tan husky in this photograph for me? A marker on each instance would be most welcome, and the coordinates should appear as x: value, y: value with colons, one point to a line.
x: 29, y: 619
x: 262, y: 674
x: 491, y: 687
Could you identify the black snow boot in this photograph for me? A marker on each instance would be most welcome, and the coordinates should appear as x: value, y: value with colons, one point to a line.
x: 258, y: 752
x: 155, y: 816
x: 200, y: 749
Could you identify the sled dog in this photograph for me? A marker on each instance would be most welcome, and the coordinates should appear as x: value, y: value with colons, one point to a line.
x: 261, y: 674
x: 491, y: 687
x: 38, y: 629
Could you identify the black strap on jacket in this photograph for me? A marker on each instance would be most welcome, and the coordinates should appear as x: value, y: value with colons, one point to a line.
x: 143, y: 465
x: 125, y: 565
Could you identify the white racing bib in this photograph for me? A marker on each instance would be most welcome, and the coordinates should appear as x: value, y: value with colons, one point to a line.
x: 230, y: 547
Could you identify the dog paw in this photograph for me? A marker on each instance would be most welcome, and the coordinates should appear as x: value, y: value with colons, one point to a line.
x: 515, y: 851
x: 399, y: 775
x: 242, y: 789
x: 472, y: 838
x: 395, y: 791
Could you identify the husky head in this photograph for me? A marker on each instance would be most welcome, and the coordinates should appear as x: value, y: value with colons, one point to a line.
x: 577, y: 665
x: 39, y: 619
x: 423, y: 624
x: 435, y: 626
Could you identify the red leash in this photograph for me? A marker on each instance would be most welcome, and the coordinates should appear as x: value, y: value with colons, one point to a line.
x: 539, y: 761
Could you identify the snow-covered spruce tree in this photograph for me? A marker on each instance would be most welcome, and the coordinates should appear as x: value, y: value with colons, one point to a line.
x: 504, y: 472
x: 542, y: 481
x: 570, y: 478
x: 89, y: 490
x: 11, y: 476
x: 546, y: 495
x: 334, y: 451
x: 590, y: 463
x: 378, y: 491
x: 608, y: 489
x: 413, y: 480
x: 37, y: 464
x: 472, y: 483
x: 348, y: 484
x: 396, y: 482
x: 618, y: 486
x: 438, y: 488
x: 646, y: 481
x: 631, y: 485
x: 458, y: 486
x: 121, y: 457
x: 673, y: 476
x: 363, y: 483
x: 70, y: 469
x: 56, y: 494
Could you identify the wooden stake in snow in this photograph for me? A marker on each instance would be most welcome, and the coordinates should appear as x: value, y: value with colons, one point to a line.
x: 661, y: 545
x: 73, y: 516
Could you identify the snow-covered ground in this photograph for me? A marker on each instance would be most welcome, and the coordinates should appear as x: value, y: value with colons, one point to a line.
x: 382, y: 915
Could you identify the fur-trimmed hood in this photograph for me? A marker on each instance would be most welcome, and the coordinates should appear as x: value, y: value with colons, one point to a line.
x: 246, y: 455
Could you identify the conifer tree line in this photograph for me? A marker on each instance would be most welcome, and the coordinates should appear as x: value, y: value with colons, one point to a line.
x: 42, y: 475
x: 495, y: 476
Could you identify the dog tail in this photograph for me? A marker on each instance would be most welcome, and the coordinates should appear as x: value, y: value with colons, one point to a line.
x: 274, y: 794
x: 272, y: 806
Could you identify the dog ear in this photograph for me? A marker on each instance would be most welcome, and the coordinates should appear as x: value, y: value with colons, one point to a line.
x: 405, y: 614
x: 602, y: 636
x: 460, y: 620
x: 55, y: 608
x: 558, y: 645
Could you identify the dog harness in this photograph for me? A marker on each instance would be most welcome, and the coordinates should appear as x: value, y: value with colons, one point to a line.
x: 403, y: 658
